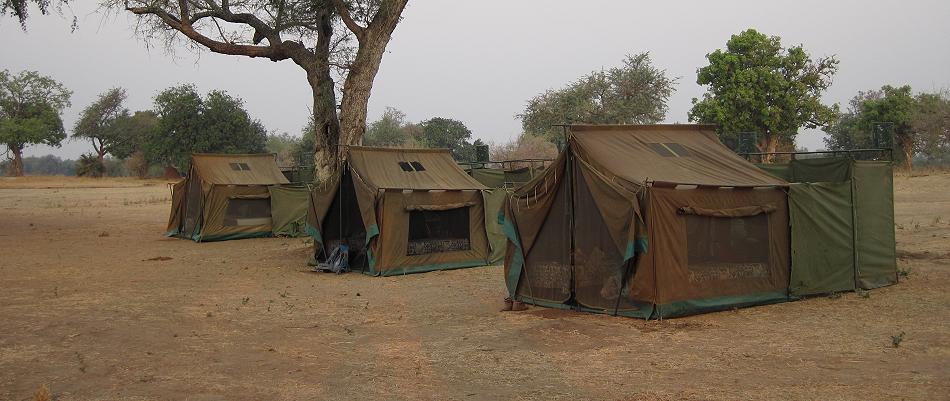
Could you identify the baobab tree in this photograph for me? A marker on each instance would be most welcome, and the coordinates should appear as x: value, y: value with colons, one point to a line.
x: 316, y: 35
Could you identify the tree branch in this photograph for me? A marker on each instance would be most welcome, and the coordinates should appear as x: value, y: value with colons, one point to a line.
x: 348, y: 20
x: 271, y: 52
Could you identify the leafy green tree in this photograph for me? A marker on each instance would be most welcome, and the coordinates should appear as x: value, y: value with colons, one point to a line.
x: 188, y: 123
x: 756, y: 85
x: 932, y: 124
x: 102, y: 124
x: 30, y: 109
x: 446, y: 133
x: 283, y: 145
x: 849, y: 131
x: 389, y: 130
x: 635, y: 93
x: 895, y: 109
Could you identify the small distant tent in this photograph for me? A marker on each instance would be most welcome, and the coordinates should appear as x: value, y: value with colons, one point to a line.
x: 400, y: 211
x: 648, y: 221
x: 225, y: 196
x: 842, y: 224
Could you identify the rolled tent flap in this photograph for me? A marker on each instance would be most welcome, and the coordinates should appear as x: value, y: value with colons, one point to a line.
x: 436, y: 208
x: 250, y: 196
x: 744, y: 211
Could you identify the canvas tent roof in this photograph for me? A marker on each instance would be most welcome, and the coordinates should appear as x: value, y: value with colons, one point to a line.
x: 677, y: 154
x: 416, y: 169
x: 238, y: 169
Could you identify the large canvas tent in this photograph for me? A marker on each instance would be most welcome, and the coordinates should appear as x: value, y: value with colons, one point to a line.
x: 225, y: 196
x: 842, y: 224
x: 400, y: 211
x: 648, y: 221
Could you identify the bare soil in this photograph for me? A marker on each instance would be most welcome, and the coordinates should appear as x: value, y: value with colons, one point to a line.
x: 96, y: 304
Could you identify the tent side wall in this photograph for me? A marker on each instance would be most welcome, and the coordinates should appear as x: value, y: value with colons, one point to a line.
x: 822, y: 238
x: 288, y: 206
x: 849, y: 204
x: 733, y: 257
x: 494, y: 202
x: 235, y: 212
x: 428, y: 218
x: 174, y: 218
x: 875, y: 242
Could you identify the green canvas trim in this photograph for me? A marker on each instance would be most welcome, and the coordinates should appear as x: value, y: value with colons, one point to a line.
x: 517, y: 260
x: 429, y: 268
x: 313, y: 233
x: 172, y: 233
x: 644, y: 313
x: 371, y: 233
x: 634, y: 247
x: 696, y: 306
x: 226, y: 237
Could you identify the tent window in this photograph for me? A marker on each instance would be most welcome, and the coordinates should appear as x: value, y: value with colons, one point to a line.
x: 239, y: 166
x: 678, y: 149
x: 405, y: 167
x: 247, y: 212
x: 670, y: 149
x: 660, y: 149
x: 245, y: 167
x: 435, y: 231
x: 417, y: 166
x: 727, y: 248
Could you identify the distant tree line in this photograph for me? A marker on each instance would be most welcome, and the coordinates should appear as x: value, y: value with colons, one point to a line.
x: 754, y: 85
x: 180, y: 123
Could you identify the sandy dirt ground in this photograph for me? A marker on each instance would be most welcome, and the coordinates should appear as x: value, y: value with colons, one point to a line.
x: 92, y: 307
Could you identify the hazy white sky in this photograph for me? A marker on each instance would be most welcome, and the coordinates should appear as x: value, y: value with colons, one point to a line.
x: 479, y: 61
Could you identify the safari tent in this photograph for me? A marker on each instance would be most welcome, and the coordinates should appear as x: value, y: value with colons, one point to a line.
x: 841, y: 214
x: 648, y: 221
x: 225, y: 196
x: 400, y: 211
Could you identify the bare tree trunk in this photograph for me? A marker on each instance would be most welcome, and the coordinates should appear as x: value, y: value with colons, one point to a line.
x: 768, y: 144
x: 907, y: 146
x: 326, y: 123
x: 100, y: 156
x: 17, y: 161
x: 359, y: 81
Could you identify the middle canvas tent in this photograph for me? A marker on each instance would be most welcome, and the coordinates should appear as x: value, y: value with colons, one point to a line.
x: 400, y: 211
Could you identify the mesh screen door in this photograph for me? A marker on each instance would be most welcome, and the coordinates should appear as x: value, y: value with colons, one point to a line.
x: 435, y: 231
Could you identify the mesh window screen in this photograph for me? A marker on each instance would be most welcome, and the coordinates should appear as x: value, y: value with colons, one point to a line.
x: 435, y: 231
x: 247, y: 212
x: 727, y: 248
x: 192, y: 206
